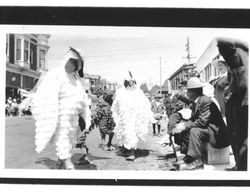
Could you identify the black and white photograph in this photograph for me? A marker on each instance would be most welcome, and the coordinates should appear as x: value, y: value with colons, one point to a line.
x: 124, y: 102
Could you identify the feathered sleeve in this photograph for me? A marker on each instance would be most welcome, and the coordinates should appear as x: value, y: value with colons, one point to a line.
x: 115, y: 108
x: 85, y: 112
x: 45, y: 109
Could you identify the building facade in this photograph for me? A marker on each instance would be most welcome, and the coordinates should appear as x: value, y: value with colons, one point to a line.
x: 96, y: 83
x: 204, y: 64
x: 26, y: 58
x: 180, y: 76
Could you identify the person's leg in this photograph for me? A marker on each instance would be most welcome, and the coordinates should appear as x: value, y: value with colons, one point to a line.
x: 103, y: 135
x: 154, y: 132
x: 242, y: 131
x: 132, y: 156
x: 63, y: 147
x: 183, y: 140
x: 197, y: 137
x: 159, y: 128
x: 109, y: 144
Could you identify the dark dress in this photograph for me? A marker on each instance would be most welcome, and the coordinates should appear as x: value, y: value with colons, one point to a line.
x: 220, y: 91
x: 103, y: 118
x: 236, y: 56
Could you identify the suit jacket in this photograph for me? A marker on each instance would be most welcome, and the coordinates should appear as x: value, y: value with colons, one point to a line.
x: 219, y: 92
x: 206, y: 115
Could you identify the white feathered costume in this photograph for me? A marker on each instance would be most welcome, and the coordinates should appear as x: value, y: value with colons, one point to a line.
x: 132, y: 113
x: 56, y: 105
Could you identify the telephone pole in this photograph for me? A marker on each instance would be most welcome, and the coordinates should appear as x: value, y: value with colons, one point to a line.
x: 187, y: 48
x: 160, y: 77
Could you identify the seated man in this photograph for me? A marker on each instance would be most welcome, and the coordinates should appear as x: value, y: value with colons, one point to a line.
x: 206, y: 120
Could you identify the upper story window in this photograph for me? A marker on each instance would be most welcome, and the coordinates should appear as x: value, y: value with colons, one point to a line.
x: 42, y: 58
x: 26, y: 51
x: 208, y: 72
x: 7, y: 45
x: 18, y: 49
x: 31, y: 57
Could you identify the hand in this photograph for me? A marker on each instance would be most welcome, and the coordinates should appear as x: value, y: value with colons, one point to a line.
x: 179, y: 128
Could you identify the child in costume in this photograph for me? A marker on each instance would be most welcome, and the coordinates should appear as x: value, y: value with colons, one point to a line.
x: 104, y: 120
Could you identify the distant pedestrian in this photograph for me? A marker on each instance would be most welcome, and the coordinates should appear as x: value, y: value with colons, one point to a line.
x: 158, y: 109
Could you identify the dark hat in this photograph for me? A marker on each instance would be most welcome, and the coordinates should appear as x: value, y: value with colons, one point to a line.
x: 80, y: 70
x: 158, y: 96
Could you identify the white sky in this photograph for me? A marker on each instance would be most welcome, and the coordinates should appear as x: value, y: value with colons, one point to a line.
x: 112, y: 51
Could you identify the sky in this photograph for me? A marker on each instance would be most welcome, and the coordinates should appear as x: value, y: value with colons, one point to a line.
x: 147, y: 52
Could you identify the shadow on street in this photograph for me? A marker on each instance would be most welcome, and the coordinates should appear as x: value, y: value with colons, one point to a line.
x: 125, y: 152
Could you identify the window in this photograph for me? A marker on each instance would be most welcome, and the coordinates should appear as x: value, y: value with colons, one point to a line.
x: 26, y: 51
x: 208, y: 72
x: 7, y: 44
x: 42, y: 58
x: 31, y: 57
x: 18, y: 49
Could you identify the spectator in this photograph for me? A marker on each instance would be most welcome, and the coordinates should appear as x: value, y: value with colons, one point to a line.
x: 205, y: 119
x: 158, y: 110
x: 220, y: 84
x: 235, y: 54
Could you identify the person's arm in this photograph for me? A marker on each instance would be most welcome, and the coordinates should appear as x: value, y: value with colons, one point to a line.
x: 182, y: 97
x: 203, y: 119
x: 232, y: 50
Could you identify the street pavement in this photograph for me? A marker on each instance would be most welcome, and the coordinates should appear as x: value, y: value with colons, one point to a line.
x: 20, y: 152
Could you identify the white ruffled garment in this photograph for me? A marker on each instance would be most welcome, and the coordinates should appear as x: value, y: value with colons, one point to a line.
x: 57, y: 104
x: 132, y: 115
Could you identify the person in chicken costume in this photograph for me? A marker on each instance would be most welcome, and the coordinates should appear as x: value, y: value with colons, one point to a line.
x: 132, y: 115
x: 58, y: 103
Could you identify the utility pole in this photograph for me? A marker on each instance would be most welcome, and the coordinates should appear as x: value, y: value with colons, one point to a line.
x: 187, y: 48
x: 160, y: 77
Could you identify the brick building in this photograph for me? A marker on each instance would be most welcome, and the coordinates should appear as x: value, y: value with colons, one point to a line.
x: 179, y: 76
x: 26, y: 58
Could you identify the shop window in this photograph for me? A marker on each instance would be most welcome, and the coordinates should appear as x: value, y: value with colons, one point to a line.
x: 7, y: 44
x: 18, y: 49
x: 26, y: 51
x: 31, y: 57
x: 42, y: 58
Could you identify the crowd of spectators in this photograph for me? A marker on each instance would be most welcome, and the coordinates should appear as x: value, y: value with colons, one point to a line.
x: 13, y: 107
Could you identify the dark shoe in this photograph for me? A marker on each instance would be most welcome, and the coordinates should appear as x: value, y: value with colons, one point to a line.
x: 65, y: 164
x: 196, y: 164
x: 186, y: 160
x: 231, y: 169
x: 109, y: 148
x: 84, y: 159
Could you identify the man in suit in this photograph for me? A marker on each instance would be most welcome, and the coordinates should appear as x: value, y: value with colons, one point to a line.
x: 235, y: 54
x: 206, y: 118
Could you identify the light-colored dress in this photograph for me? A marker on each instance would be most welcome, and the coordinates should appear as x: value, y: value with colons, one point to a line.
x: 132, y: 115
